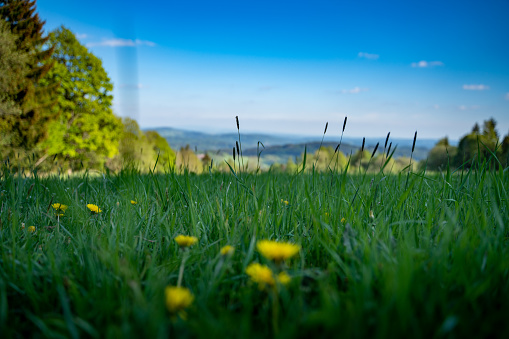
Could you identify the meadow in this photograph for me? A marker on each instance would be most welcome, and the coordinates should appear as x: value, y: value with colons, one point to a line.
x: 408, y: 254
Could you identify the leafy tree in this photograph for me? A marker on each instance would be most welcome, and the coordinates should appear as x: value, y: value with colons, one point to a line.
x: 13, y: 70
x: 86, y: 132
x: 162, y: 149
x: 35, y: 101
x: 504, y: 158
x: 440, y: 155
x: 479, y: 145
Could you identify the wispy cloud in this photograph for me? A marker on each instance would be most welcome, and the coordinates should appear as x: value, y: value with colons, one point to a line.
x: 424, y: 64
x: 122, y: 43
x: 506, y: 96
x: 465, y: 108
x: 354, y: 90
x: 368, y: 56
x: 81, y: 36
x: 480, y: 87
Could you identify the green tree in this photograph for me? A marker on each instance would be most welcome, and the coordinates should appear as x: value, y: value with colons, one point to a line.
x: 34, y: 100
x: 13, y: 70
x: 162, y: 149
x: 504, y: 158
x: 440, y: 155
x: 479, y: 145
x: 86, y: 132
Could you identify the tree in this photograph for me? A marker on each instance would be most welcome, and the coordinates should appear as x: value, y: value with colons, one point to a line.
x: 35, y: 101
x: 86, y: 132
x: 441, y: 155
x: 480, y: 146
x: 163, y: 150
x: 13, y: 70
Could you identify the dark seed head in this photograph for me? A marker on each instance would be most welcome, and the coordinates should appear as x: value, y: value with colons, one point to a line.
x: 387, y: 139
x: 415, y: 138
x: 326, y: 125
x: 237, y: 145
x: 363, y: 142
x: 336, y: 150
x: 389, y: 150
x: 344, y: 124
x: 233, y: 153
x: 374, y: 151
x: 237, y: 120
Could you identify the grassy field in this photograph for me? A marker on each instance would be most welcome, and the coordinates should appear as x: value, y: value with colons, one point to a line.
x: 402, y: 255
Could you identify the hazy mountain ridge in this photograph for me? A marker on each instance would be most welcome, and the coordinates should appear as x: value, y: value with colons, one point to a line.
x: 285, y: 146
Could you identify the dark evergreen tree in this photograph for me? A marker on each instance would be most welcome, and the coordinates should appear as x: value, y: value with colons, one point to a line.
x: 35, y: 101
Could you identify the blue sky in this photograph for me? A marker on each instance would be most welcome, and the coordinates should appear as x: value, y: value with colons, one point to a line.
x: 288, y: 67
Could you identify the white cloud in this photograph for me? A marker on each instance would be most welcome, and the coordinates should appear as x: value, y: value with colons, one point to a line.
x: 480, y: 87
x: 506, y: 96
x: 436, y: 106
x: 81, y: 36
x: 424, y: 64
x: 368, y: 55
x: 464, y: 107
x: 354, y: 90
x: 122, y: 43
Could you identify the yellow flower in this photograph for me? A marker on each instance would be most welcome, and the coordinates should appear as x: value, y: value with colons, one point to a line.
x: 260, y: 274
x: 94, y: 208
x: 178, y: 298
x: 59, y: 207
x: 343, y: 220
x: 133, y: 202
x: 283, y: 278
x: 277, y: 251
x: 227, y: 250
x: 285, y: 202
x: 31, y: 229
x: 185, y: 241
x: 371, y: 215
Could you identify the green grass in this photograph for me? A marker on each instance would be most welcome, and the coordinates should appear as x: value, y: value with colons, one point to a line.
x: 433, y: 262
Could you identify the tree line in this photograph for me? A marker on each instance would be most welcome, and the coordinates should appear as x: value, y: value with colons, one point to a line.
x: 477, y: 148
x: 56, y: 101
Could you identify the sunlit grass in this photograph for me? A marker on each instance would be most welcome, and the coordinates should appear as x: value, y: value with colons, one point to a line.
x: 397, y: 255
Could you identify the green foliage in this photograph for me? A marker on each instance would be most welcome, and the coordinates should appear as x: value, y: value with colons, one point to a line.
x: 141, y: 150
x: 87, y: 131
x: 13, y: 71
x: 34, y: 99
x: 163, y: 150
x: 441, y: 155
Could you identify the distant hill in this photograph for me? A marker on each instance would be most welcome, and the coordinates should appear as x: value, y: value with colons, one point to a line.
x: 280, y: 148
x: 178, y: 138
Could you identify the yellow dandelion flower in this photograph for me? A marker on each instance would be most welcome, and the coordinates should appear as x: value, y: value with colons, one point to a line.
x: 94, y: 208
x: 185, y: 240
x: 59, y: 207
x: 277, y: 251
x: 343, y: 220
x: 283, y: 278
x: 285, y: 202
x: 31, y: 229
x: 178, y: 298
x: 260, y: 274
x: 227, y: 250
x: 133, y: 202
